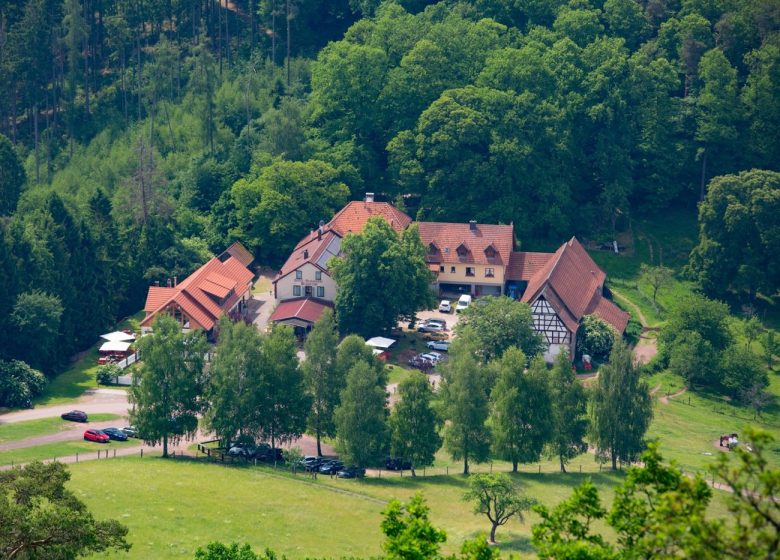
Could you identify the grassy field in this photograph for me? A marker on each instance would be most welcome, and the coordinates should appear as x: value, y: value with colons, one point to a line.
x: 44, y: 426
x: 60, y: 449
x: 171, y: 510
x: 81, y: 375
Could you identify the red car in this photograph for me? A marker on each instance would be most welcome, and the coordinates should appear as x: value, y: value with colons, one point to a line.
x: 96, y: 435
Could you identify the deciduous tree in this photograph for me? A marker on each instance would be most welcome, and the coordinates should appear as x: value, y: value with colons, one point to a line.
x: 497, y: 497
x: 521, y: 417
x: 167, y: 389
x: 656, y: 276
x: 621, y: 408
x: 324, y: 381
x: 414, y: 424
x: 569, y: 409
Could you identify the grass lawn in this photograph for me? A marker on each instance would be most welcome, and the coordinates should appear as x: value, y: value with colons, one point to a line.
x: 59, y: 449
x: 44, y: 426
x: 81, y: 375
x: 396, y: 373
x: 172, y: 507
x: 691, y: 422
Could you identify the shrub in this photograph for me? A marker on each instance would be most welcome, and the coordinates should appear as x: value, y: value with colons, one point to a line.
x: 107, y: 374
x: 19, y: 383
x: 595, y: 337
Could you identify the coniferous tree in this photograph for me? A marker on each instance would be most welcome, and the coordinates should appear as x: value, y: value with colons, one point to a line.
x: 621, y: 408
x: 12, y: 177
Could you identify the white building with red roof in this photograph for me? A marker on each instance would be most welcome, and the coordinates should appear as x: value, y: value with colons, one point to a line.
x: 221, y: 286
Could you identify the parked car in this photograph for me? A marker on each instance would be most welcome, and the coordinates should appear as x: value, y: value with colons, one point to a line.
x: 310, y: 463
x: 463, y: 303
x: 432, y: 325
x: 238, y: 451
x: 397, y: 464
x: 263, y: 452
x: 96, y: 436
x: 445, y: 306
x: 352, y: 472
x: 434, y: 357
x: 443, y: 345
x: 130, y: 431
x: 115, y: 433
x: 331, y: 467
x: 421, y: 363
x: 74, y: 416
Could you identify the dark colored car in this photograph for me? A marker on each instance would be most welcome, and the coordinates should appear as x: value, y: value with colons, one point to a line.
x: 96, y: 435
x: 115, y: 433
x: 264, y: 452
x: 130, y: 431
x: 331, y: 467
x: 352, y: 472
x: 310, y: 463
x: 74, y: 416
x: 397, y: 464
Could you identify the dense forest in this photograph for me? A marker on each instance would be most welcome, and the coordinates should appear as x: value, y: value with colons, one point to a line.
x: 140, y: 136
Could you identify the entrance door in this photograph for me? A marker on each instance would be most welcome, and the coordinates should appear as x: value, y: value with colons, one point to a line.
x: 308, y: 291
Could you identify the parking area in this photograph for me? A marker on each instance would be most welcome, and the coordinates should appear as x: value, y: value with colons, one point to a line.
x: 450, y: 319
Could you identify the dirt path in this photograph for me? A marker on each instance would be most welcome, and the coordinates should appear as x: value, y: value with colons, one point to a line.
x: 632, y: 305
x: 65, y: 435
x: 94, y: 401
x: 665, y: 398
x: 647, y: 347
x: 655, y: 389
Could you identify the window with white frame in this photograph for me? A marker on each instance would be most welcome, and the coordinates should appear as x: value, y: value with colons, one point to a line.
x: 296, y: 290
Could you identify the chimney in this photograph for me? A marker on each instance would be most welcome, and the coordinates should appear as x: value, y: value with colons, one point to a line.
x: 305, y: 253
x: 168, y: 283
x: 473, y: 225
x: 320, y: 230
x: 369, y: 197
x: 157, y: 283
x: 175, y: 281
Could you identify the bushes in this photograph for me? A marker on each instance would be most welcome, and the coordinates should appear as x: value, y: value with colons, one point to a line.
x: 107, y: 374
x: 19, y: 383
x: 595, y: 337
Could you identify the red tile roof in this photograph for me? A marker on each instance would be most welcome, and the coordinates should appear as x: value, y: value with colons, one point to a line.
x: 305, y: 309
x: 195, y: 294
x: 572, y: 282
x: 308, y: 250
x: 353, y: 217
x: 523, y: 264
x: 238, y: 252
x: 447, y: 237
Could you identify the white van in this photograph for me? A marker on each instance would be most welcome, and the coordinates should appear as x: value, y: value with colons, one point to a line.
x: 463, y: 303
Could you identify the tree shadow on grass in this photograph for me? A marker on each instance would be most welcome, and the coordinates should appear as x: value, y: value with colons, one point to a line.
x: 519, y: 543
x: 419, y: 481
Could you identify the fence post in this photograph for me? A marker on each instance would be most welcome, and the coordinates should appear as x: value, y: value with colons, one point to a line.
x: 114, y: 452
x: 142, y: 453
x: 448, y: 470
x: 491, y: 468
x: 423, y: 471
x: 580, y: 467
x: 540, y: 468
x: 77, y: 457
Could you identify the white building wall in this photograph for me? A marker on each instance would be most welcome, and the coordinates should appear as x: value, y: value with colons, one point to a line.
x: 285, y: 286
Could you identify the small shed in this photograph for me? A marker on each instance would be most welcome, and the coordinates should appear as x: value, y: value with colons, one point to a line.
x: 380, y: 346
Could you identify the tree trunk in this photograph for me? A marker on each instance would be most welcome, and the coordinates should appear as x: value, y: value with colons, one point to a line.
x: 465, y: 464
x: 37, y: 151
x: 165, y: 445
x: 493, y: 533
x: 614, y: 461
x: 703, y: 174
x: 563, y: 465
x: 289, y: 17
x: 514, y: 465
x: 273, y: 33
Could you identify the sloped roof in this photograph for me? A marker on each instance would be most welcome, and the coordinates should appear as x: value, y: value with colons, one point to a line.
x: 523, y: 265
x: 238, y: 252
x: 353, y: 217
x: 572, y: 282
x: 305, y: 309
x: 195, y: 294
x: 447, y: 237
x: 315, y: 250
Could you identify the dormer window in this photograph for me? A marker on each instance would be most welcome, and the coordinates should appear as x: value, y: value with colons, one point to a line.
x: 462, y: 250
x: 432, y: 249
x: 490, y: 252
